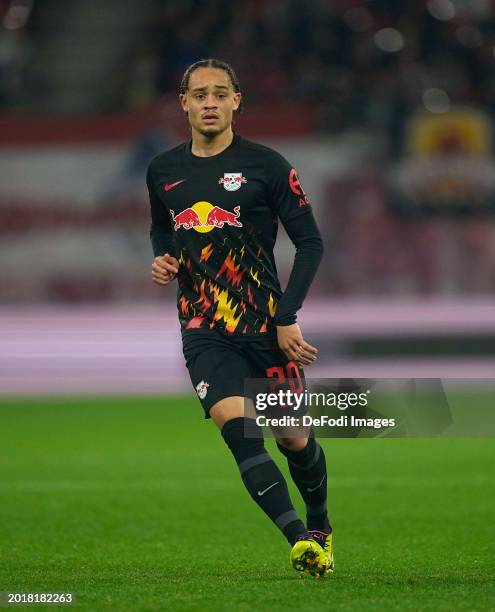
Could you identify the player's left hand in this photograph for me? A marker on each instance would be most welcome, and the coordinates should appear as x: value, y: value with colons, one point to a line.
x: 291, y: 341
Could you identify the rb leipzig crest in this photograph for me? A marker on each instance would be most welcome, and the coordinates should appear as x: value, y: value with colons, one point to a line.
x: 232, y: 181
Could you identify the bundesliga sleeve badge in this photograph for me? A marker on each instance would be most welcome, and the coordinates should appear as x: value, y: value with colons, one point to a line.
x: 232, y: 181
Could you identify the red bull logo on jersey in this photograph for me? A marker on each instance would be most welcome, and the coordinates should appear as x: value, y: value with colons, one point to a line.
x: 232, y: 181
x: 187, y: 219
x: 204, y: 217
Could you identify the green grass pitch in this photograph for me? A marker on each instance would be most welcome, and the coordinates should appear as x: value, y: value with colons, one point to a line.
x: 135, y: 504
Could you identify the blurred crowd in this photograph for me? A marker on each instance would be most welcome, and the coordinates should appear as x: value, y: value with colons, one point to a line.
x: 354, y: 62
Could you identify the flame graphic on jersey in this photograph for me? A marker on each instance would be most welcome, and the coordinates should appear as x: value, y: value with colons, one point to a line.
x: 184, y: 305
x: 264, y: 327
x: 182, y: 261
x: 255, y: 277
x: 272, y: 306
x: 242, y: 250
x: 206, y: 252
x: 234, y: 277
x: 250, y: 297
x: 204, y: 301
x: 195, y: 322
x: 225, y: 310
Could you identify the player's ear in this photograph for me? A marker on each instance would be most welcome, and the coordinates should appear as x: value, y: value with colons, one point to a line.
x: 237, y: 100
x: 183, y: 102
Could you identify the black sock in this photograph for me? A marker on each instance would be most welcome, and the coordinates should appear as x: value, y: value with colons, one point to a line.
x: 308, y: 469
x: 262, y: 478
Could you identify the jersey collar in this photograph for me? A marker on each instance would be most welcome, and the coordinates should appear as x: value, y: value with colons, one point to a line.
x: 211, y: 158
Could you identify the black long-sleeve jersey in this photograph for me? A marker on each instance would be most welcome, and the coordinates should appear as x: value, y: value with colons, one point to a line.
x: 218, y: 216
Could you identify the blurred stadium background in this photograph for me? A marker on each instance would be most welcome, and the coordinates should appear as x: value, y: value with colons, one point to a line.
x: 385, y: 108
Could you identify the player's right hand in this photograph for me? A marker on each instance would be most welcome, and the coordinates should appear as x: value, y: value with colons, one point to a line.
x: 164, y: 269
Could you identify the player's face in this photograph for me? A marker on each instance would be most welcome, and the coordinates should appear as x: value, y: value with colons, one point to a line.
x: 210, y: 101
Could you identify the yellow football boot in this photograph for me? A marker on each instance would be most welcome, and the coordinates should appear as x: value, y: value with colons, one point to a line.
x: 306, y: 557
x: 325, y: 540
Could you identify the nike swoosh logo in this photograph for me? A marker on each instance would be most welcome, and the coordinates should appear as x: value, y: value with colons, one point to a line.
x: 169, y: 186
x: 310, y: 490
x: 260, y: 493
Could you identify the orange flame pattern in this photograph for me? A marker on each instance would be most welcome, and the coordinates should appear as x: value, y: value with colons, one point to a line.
x: 272, y: 306
x: 226, y: 301
x: 196, y: 322
x: 184, y: 305
x: 206, y: 252
x: 204, y: 301
x: 234, y: 276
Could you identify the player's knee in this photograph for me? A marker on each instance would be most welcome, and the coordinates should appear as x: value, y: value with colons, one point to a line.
x: 226, y: 410
x: 293, y: 444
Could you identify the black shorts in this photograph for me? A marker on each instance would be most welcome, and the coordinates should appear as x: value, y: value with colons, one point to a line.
x: 218, y: 364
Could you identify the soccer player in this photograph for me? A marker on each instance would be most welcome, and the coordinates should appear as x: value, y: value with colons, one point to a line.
x: 215, y: 205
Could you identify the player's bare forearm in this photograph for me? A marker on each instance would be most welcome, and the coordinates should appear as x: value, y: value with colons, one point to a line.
x: 291, y: 341
x: 164, y: 269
